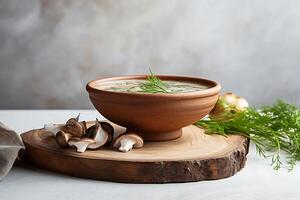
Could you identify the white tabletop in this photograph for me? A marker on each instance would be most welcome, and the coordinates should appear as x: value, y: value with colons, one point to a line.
x: 256, y: 181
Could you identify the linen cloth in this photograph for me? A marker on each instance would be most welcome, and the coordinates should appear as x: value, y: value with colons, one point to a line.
x: 10, y: 145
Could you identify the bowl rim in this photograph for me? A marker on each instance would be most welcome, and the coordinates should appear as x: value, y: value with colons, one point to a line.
x: 216, y: 87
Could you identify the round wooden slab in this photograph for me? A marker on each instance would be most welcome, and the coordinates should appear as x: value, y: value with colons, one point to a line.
x: 193, y: 157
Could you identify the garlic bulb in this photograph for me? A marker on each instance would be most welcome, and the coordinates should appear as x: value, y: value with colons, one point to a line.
x: 228, y: 104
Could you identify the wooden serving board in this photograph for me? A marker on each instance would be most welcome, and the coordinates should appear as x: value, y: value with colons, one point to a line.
x: 193, y: 157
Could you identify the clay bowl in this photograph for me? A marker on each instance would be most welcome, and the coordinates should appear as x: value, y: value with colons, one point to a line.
x: 156, y: 117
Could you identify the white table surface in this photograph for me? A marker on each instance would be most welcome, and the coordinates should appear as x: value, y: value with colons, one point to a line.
x: 256, y: 181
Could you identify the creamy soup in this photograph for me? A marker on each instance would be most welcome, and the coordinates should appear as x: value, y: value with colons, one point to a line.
x: 134, y: 86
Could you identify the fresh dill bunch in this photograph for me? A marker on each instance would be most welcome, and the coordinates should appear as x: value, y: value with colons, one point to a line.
x: 154, y: 85
x: 273, y: 129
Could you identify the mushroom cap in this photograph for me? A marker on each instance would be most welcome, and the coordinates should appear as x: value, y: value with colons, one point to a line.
x: 139, y: 140
x: 62, y: 138
x: 109, y: 129
x: 91, y: 132
x: 101, y: 133
x: 75, y: 128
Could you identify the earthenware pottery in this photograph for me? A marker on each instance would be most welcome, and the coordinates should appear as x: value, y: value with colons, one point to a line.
x: 158, y: 116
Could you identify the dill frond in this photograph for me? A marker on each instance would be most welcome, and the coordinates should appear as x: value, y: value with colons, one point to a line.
x: 154, y: 85
x: 273, y: 129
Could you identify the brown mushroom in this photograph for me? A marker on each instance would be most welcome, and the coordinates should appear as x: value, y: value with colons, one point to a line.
x: 101, y: 133
x: 74, y: 127
x: 80, y: 143
x: 127, y: 141
x: 108, y: 128
x: 62, y: 138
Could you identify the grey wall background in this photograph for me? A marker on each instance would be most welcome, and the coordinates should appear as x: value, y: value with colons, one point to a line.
x: 50, y: 49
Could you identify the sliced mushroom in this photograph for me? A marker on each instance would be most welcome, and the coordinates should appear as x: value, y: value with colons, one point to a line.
x: 101, y: 133
x: 62, y: 138
x: 80, y: 143
x: 108, y: 128
x: 127, y: 141
x: 74, y: 127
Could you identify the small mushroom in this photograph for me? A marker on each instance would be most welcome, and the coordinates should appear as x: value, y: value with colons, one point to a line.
x: 80, y: 143
x: 108, y: 128
x: 74, y: 127
x: 127, y: 141
x: 62, y: 138
x: 101, y: 133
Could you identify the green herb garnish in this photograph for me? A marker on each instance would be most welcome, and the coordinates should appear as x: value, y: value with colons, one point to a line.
x: 273, y: 129
x: 154, y: 85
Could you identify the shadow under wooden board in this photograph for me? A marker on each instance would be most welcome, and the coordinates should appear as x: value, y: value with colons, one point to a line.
x: 195, y: 156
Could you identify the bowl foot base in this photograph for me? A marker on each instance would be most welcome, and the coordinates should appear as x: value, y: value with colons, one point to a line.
x: 159, y: 136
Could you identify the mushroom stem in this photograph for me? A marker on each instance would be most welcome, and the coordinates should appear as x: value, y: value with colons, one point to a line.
x: 77, y: 118
x: 82, y: 147
x: 126, y: 144
x: 80, y: 144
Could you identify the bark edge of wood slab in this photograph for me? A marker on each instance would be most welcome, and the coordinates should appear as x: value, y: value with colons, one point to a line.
x: 193, y: 157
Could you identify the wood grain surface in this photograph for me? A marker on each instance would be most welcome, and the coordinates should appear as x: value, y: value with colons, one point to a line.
x: 193, y: 157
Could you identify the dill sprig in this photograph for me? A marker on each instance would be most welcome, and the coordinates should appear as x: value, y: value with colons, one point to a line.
x: 154, y: 85
x: 273, y: 129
